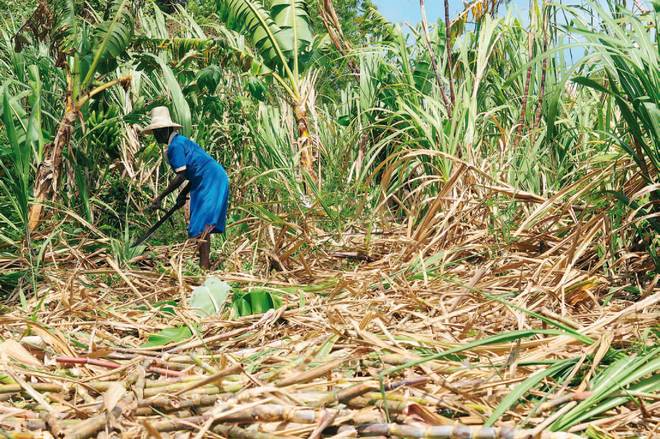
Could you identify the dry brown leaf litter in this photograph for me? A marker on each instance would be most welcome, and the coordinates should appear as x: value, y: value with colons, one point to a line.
x: 310, y: 368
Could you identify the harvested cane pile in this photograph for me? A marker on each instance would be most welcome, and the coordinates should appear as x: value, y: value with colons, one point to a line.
x: 391, y: 342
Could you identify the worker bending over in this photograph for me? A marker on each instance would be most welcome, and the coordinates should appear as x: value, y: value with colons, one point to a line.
x: 208, y: 184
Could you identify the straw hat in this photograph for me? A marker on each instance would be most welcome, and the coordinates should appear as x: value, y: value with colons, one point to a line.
x: 160, y: 118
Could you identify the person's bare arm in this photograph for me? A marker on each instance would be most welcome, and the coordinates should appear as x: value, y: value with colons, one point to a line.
x: 174, y: 184
x: 181, y: 198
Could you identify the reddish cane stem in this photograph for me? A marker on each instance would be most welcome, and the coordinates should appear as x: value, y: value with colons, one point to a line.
x: 112, y: 365
x: 85, y: 360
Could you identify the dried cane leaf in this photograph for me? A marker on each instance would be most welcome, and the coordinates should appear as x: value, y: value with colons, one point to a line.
x: 17, y: 352
x: 112, y: 396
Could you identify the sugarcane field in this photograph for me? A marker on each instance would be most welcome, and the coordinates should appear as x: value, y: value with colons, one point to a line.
x: 336, y: 219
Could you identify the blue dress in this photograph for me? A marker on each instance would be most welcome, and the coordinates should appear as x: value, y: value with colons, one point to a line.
x: 209, y: 185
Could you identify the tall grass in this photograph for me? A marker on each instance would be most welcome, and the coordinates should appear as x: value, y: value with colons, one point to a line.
x: 526, y: 119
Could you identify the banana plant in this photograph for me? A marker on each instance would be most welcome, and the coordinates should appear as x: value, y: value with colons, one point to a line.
x: 25, y: 140
x: 88, y: 53
x: 282, y: 37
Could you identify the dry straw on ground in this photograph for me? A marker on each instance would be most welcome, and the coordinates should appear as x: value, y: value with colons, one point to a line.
x: 342, y: 358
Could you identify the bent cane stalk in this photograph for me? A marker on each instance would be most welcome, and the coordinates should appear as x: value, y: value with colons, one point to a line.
x: 48, y: 171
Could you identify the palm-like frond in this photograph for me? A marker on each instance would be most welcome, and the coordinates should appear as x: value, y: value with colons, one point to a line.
x: 113, y: 37
x: 295, y: 33
x: 281, y: 37
x: 250, y: 18
x: 65, y: 27
x: 389, y: 31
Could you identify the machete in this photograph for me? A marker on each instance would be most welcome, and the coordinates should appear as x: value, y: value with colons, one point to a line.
x: 159, y: 223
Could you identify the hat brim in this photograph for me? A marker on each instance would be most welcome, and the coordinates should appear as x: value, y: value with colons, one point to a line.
x: 154, y: 126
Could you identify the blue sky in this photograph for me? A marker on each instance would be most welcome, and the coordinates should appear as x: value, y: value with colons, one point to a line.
x: 402, y: 11
x: 407, y: 11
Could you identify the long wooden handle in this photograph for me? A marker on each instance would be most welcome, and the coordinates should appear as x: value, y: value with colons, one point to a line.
x: 159, y: 223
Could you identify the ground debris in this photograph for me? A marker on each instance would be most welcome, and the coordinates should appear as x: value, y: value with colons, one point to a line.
x: 430, y: 350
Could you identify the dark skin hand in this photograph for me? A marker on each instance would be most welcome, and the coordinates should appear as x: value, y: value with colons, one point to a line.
x: 174, y: 185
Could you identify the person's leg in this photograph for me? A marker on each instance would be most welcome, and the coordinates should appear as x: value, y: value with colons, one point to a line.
x: 204, y: 247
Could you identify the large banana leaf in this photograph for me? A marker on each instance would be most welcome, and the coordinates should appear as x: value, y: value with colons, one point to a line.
x: 65, y: 26
x: 250, y: 18
x: 118, y: 36
x: 280, y: 37
x: 295, y: 28
x: 113, y: 37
